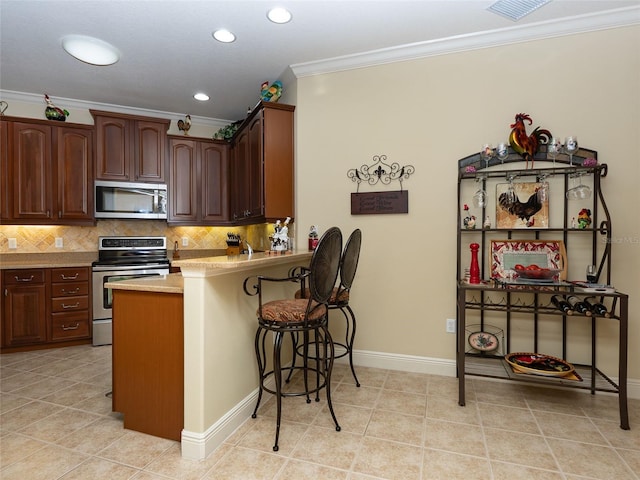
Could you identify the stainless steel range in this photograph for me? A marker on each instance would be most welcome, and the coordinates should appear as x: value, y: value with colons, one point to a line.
x: 122, y: 258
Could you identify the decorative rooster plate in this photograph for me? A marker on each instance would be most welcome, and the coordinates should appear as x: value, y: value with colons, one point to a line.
x: 527, y: 211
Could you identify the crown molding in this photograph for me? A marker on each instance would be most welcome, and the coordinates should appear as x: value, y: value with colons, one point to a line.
x: 36, y: 98
x: 617, y: 18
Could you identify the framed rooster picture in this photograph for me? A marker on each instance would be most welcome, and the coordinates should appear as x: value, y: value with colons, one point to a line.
x: 522, y: 205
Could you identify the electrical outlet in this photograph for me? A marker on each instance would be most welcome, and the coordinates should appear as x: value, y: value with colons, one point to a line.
x: 59, y: 242
x: 451, y: 325
x: 185, y: 241
x: 13, y: 243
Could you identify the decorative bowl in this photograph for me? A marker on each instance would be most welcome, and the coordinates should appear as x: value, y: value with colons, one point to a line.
x: 483, y: 341
x: 539, y: 364
x: 537, y: 274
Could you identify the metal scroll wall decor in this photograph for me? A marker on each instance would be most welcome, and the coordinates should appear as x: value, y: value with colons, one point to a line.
x: 380, y: 202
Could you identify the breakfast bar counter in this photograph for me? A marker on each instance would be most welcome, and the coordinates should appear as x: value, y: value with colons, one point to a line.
x: 217, y: 327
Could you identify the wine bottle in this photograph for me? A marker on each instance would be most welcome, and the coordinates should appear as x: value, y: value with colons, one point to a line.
x: 579, y: 306
x: 562, y: 304
x: 597, y: 309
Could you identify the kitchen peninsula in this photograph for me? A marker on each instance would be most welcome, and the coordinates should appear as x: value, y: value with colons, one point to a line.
x: 218, y: 329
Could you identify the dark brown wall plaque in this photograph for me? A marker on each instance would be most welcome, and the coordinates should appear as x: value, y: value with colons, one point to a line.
x: 380, y: 202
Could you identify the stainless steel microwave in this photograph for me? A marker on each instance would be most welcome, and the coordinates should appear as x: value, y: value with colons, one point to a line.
x: 130, y: 200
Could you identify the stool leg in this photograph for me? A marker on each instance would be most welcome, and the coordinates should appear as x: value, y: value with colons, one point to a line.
x: 260, y: 335
x: 328, y: 362
x: 305, y: 362
x: 350, y: 341
x: 294, y: 342
x: 277, y: 375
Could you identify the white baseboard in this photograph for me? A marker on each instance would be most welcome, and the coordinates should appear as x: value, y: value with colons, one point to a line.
x: 199, y: 445
x: 436, y: 366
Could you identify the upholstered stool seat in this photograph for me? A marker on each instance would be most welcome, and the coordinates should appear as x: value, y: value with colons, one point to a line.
x: 304, y: 317
x: 291, y: 312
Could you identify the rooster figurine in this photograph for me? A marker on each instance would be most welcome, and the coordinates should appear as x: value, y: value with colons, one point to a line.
x: 185, y: 124
x: 523, y: 144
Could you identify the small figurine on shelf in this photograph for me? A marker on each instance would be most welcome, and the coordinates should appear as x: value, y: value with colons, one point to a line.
x: 280, y: 242
x: 573, y: 222
x: 185, y: 125
x: 271, y: 93
x: 54, y: 113
x: 313, y: 237
x: 584, y: 218
x: 487, y: 222
x: 469, y: 220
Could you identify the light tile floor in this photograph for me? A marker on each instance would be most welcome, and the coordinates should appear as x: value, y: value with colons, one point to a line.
x: 56, y: 423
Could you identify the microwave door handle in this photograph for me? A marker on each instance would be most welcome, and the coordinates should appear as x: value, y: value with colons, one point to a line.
x: 155, y: 201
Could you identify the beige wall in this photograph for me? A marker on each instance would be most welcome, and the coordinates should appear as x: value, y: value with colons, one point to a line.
x: 431, y: 112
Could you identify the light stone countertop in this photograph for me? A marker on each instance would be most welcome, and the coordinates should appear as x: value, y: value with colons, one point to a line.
x: 47, y: 260
x: 202, y: 267
x: 208, y: 266
x: 172, y: 283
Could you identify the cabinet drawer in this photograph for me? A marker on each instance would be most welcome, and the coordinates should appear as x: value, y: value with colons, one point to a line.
x: 67, y: 289
x: 65, y: 326
x: 22, y: 277
x: 69, y: 304
x: 71, y: 274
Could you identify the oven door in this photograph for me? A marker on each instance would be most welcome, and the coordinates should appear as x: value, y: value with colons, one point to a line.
x: 102, y: 296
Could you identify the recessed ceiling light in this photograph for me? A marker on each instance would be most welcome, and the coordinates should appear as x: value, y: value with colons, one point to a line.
x: 203, y: 97
x: 279, y: 15
x: 90, y: 50
x: 224, y: 36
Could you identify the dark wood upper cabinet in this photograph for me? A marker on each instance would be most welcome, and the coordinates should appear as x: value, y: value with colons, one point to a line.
x: 263, y: 165
x: 47, y: 173
x: 129, y: 148
x: 74, y: 170
x: 198, y: 181
x: 30, y: 171
x: 214, y: 165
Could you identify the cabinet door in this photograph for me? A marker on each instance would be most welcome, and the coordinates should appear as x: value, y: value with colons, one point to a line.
x: 255, y: 168
x: 240, y: 177
x: 24, y: 316
x: 214, y: 165
x: 30, y: 171
x: 5, y: 207
x: 183, y: 194
x: 112, y: 149
x: 278, y: 151
x: 150, y: 151
x: 74, y: 183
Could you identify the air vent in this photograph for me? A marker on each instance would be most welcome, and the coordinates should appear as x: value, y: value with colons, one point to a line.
x: 516, y: 9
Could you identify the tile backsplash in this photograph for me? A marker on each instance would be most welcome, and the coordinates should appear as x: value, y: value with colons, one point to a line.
x: 41, y: 239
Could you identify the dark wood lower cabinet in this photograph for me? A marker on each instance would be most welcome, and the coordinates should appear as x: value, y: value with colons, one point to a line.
x: 148, y: 361
x: 45, y: 307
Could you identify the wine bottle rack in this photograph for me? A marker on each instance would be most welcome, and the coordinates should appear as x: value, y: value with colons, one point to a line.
x: 517, y: 305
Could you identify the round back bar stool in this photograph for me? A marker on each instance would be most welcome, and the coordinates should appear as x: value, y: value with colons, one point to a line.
x: 339, y: 299
x: 306, y: 317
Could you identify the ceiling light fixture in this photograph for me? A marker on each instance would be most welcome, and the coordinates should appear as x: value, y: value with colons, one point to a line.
x: 90, y: 50
x: 279, y: 15
x: 203, y: 97
x: 224, y: 36
x: 516, y: 9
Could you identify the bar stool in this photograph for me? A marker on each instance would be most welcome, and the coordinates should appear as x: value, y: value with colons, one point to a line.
x: 339, y: 299
x: 304, y: 316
